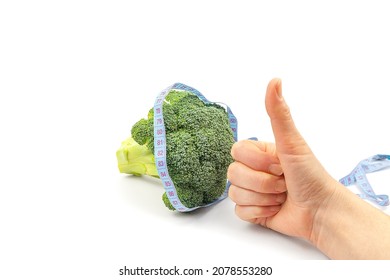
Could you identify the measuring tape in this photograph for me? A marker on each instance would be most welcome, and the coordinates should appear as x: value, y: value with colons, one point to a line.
x: 358, y: 177
x: 160, y: 146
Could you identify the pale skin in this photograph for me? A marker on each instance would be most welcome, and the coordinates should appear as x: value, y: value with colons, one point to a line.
x: 283, y: 186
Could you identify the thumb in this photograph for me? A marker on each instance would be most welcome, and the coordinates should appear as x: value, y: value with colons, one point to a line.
x: 288, y: 140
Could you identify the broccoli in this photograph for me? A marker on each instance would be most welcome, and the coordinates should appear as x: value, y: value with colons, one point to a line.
x: 198, y: 143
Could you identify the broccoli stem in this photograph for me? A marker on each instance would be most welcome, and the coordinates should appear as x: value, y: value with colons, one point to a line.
x: 136, y: 159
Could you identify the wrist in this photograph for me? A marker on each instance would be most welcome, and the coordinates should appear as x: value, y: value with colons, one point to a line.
x: 326, y: 213
x: 340, y: 222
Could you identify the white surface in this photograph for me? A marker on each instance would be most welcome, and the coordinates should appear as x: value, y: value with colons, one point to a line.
x: 75, y: 76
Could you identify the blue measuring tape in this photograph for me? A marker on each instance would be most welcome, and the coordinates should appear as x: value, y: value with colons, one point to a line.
x: 358, y: 177
x: 160, y: 146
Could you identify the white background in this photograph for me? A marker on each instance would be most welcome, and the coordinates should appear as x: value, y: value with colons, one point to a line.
x: 75, y: 76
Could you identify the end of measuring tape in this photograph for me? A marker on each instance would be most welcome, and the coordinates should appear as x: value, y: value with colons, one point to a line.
x: 160, y: 146
x: 358, y: 177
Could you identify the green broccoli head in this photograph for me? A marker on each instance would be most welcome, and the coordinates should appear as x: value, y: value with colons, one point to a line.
x: 198, y: 144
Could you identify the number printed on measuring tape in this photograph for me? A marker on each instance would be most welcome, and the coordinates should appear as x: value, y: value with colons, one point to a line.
x: 160, y: 145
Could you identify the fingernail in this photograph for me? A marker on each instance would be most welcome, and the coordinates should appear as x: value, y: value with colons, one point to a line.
x: 276, y: 169
x: 280, y: 185
x: 275, y: 208
x: 278, y: 88
x: 281, y: 198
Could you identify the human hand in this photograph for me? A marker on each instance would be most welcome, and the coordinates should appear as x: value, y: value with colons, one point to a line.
x: 280, y: 186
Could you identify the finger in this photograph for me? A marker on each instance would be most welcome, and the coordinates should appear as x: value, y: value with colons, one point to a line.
x: 287, y: 137
x: 246, y: 197
x: 254, y: 213
x: 257, y: 155
x: 258, y: 181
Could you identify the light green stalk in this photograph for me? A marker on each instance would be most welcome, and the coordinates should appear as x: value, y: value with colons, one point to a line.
x: 136, y: 159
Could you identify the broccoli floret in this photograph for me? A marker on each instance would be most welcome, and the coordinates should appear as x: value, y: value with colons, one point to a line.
x: 142, y: 133
x: 198, y: 144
